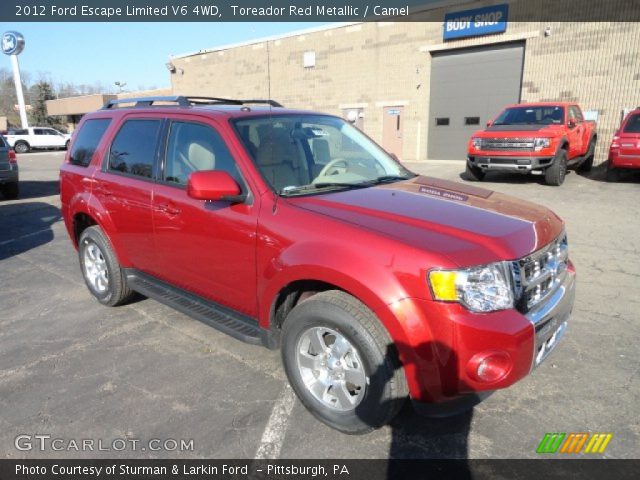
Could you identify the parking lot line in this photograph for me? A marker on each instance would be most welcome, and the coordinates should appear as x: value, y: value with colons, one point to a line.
x: 274, y: 432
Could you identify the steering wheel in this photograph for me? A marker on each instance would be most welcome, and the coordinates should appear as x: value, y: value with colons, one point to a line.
x: 334, y: 164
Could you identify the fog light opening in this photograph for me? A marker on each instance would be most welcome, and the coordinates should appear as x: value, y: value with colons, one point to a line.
x: 490, y: 367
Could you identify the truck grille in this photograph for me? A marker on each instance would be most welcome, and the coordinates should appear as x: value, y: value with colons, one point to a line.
x: 525, y: 144
x: 537, y: 275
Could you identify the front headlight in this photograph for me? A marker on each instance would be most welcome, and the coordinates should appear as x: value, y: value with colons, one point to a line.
x: 477, y: 143
x: 540, y: 143
x: 481, y: 289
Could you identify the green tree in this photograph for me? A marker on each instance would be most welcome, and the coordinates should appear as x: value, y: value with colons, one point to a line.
x: 40, y: 93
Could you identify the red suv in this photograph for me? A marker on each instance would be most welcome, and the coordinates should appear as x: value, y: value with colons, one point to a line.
x: 624, y: 152
x: 294, y: 230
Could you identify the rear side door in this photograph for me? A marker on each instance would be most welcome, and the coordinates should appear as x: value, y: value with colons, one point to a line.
x: 39, y: 138
x: 124, y: 188
x: 208, y: 248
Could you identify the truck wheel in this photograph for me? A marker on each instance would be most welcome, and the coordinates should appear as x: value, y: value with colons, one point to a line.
x: 474, y: 173
x: 342, y: 364
x: 554, y: 175
x: 66, y: 145
x: 11, y: 190
x: 21, y: 147
x: 587, y: 164
x: 100, y: 268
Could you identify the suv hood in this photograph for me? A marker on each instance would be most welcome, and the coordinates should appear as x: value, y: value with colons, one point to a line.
x: 466, y: 224
x: 516, y: 130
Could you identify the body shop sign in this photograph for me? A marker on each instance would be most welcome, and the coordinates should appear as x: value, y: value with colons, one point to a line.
x: 476, y: 22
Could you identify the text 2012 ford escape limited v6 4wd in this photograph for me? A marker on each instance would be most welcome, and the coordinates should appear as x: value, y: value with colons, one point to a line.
x: 294, y: 230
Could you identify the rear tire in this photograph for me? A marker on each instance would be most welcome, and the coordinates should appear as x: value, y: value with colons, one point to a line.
x: 587, y: 164
x: 555, y: 174
x: 11, y: 190
x: 474, y: 173
x: 342, y: 364
x: 21, y: 147
x: 613, y: 175
x: 100, y: 268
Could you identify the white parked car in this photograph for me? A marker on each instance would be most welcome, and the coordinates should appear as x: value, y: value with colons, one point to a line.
x: 34, y: 138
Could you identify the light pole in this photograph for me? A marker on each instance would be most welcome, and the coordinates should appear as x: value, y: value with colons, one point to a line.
x: 120, y: 86
x: 12, y: 45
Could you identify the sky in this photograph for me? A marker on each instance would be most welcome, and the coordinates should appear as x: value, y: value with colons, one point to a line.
x: 134, y: 53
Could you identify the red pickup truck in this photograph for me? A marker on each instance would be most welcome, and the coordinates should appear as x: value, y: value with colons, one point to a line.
x: 534, y: 137
x: 293, y: 230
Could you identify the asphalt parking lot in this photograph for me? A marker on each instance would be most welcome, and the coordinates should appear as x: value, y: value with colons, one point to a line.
x: 74, y: 370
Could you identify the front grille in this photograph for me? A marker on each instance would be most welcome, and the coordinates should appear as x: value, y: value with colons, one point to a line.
x: 523, y: 144
x: 537, y: 275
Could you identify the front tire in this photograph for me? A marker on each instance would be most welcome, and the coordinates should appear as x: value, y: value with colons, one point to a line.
x: 342, y: 364
x: 473, y: 173
x: 21, y: 147
x: 100, y: 268
x: 556, y: 173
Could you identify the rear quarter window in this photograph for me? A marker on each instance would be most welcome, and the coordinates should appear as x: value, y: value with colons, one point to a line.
x: 87, y: 140
x: 633, y: 124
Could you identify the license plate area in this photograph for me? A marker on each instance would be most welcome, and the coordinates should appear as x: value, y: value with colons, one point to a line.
x: 548, y: 336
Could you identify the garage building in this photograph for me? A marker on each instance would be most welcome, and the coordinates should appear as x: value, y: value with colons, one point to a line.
x: 420, y: 90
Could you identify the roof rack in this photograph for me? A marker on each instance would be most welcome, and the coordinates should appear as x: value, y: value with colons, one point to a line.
x: 184, y: 101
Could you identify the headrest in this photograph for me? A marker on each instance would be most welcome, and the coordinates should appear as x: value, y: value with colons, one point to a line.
x: 201, y: 156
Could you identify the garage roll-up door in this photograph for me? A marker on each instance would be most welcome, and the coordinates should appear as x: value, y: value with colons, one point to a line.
x: 468, y: 88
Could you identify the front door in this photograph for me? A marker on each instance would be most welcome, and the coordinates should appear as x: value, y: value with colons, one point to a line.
x: 392, y: 125
x: 207, y: 248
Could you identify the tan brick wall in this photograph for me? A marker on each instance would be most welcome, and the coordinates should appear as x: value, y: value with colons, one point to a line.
x: 376, y: 64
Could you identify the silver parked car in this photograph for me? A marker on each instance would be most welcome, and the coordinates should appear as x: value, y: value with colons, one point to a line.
x: 8, y: 170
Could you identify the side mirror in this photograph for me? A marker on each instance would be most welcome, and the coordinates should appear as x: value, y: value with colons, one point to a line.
x: 214, y: 185
x: 489, y: 123
x: 571, y: 123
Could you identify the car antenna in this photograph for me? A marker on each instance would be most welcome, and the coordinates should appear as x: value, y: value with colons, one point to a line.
x: 275, y: 203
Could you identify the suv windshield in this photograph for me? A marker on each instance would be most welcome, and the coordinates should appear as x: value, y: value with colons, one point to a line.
x: 303, y: 154
x: 544, y: 115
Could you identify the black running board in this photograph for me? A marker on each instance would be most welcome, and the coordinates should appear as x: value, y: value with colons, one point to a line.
x: 226, y: 320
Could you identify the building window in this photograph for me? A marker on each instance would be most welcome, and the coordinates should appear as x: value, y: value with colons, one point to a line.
x: 472, y: 120
x: 442, y: 121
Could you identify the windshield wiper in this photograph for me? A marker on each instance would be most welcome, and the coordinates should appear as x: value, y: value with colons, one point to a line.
x: 316, y: 186
x: 389, y: 179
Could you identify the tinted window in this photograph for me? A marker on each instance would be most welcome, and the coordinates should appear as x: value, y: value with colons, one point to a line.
x: 18, y: 132
x: 133, y: 150
x: 633, y: 124
x: 192, y: 147
x: 442, y: 122
x: 39, y: 131
x: 87, y: 140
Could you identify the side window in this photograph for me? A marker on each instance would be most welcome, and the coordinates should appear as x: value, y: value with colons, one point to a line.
x: 193, y: 147
x: 87, y: 140
x: 134, y: 148
x: 39, y: 131
x: 2, y: 142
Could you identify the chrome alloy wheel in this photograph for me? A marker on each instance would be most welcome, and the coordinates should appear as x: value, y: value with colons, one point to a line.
x: 95, y: 267
x: 331, y: 368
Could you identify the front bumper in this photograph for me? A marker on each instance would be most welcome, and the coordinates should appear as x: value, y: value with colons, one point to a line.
x: 445, y: 340
x: 509, y: 163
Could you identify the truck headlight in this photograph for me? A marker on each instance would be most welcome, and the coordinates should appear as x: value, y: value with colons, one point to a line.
x: 477, y: 143
x: 540, y: 143
x: 480, y: 289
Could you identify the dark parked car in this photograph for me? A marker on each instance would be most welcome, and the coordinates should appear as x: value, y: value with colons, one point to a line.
x: 8, y: 170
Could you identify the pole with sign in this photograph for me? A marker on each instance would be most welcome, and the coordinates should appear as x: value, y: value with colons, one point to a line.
x: 12, y: 45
